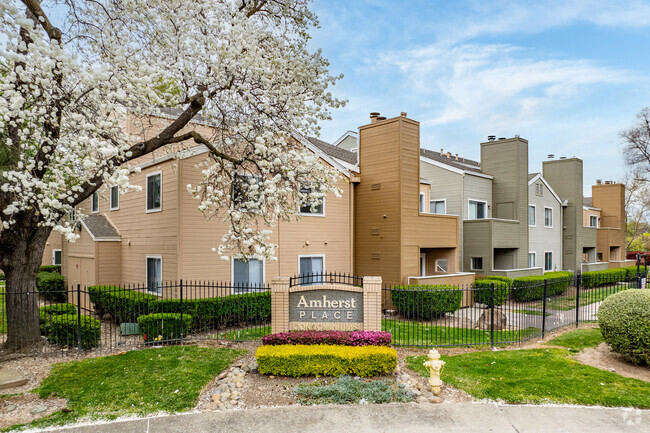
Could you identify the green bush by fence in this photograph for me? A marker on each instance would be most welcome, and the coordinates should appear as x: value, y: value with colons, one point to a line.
x: 122, y: 304
x: 50, y: 268
x: 165, y: 326
x: 426, y: 302
x: 624, y: 321
x: 64, y: 330
x: 532, y: 288
x: 603, y: 278
x: 45, y: 314
x: 51, y: 286
x: 483, y: 294
x: 301, y: 360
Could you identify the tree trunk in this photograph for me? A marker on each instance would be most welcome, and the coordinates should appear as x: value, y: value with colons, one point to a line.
x: 22, y: 252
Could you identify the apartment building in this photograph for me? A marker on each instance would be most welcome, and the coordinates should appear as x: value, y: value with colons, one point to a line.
x: 545, y: 222
x: 605, y: 211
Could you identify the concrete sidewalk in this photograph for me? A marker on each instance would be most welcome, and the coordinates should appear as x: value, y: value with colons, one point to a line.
x: 408, y: 418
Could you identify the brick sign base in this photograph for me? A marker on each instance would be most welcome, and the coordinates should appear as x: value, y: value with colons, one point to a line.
x: 327, y: 306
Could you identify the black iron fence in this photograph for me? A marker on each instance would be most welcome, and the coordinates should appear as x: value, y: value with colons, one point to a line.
x: 307, y: 279
x: 106, y: 318
x: 114, y: 318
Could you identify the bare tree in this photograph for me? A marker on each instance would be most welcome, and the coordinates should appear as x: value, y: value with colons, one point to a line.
x: 637, y: 211
x: 636, y: 146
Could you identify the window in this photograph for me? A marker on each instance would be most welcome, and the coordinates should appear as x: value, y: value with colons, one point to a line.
x: 115, y: 198
x: 247, y: 273
x: 477, y: 263
x: 72, y: 215
x: 56, y: 257
x: 311, y: 266
x: 441, y: 265
x: 438, y: 206
x: 539, y: 189
x: 94, y: 202
x: 548, y: 217
x: 593, y: 221
x: 154, y: 192
x: 316, y: 210
x: 477, y: 209
x: 548, y: 261
x: 154, y: 273
x: 246, y: 194
x: 531, y: 215
x: 421, y: 202
x: 532, y: 260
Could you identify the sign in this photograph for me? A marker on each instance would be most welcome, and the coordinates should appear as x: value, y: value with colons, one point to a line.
x: 326, y: 306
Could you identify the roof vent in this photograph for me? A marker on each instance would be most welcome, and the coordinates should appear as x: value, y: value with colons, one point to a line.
x: 380, y: 118
x: 491, y: 137
x: 374, y: 116
x: 502, y: 138
x: 442, y: 152
x: 551, y: 156
x: 456, y: 157
x: 562, y: 157
x: 608, y: 182
x: 403, y: 114
x: 599, y: 181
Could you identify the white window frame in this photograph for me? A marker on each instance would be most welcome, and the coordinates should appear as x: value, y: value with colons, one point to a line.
x: 146, y: 197
x: 422, y: 203
x: 444, y: 200
x: 423, y: 264
x: 469, y: 200
x: 232, y: 275
x: 593, y: 216
x: 552, y: 217
x: 304, y: 256
x: 110, y: 191
x: 437, y: 266
x: 94, y: 196
x: 146, y: 271
x: 545, y: 253
x: 471, y: 263
x: 534, y: 215
x: 534, y: 254
x: 312, y: 214
x: 54, y: 257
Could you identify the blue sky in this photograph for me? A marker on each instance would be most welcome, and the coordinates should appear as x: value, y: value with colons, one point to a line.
x: 566, y: 75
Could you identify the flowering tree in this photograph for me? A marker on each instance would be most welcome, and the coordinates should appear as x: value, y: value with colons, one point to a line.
x: 72, y: 76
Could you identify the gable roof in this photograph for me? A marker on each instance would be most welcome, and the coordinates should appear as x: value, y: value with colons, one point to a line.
x: 334, y: 151
x: 532, y: 177
x: 100, y: 228
x: 461, y: 163
x: 347, y: 134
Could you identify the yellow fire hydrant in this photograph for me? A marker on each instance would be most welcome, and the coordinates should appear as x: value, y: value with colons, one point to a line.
x: 435, y: 366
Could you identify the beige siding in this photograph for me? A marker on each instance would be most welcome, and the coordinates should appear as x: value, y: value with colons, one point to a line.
x: 109, y: 262
x: 545, y: 239
x: 54, y: 242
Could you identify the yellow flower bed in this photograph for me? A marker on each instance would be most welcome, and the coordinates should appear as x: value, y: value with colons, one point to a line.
x: 323, y: 360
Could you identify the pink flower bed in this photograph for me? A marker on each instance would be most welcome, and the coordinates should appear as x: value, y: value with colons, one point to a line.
x: 341, y: 338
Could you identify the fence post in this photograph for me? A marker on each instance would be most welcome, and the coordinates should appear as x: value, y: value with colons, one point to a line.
x: 181, y: 290
x: 79, y: 316
x: 492, y: 315
x: 578, y: 278
x: 544, y: 310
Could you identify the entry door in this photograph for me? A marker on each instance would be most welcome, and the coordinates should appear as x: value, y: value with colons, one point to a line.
x: 423, y: 264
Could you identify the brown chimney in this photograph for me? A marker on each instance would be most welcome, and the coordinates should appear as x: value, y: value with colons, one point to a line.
x: 448, y: 154
x: 599, y: 181
x: 380, y: 118
x: 403, y: 114
x: 373, y: 117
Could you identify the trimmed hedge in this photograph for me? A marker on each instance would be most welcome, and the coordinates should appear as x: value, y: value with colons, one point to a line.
x: 301, y: 360
x: 330, y: 338
x: 51, y: 286
x: 50, y: 268
x: 426, y: 302
x: 532, y: 288
x: 624, y: 321
x: 165, y: 325
x: 630, y: 272
x: 64, y: 330
x: 602, y: 278
x: 45, y: 314
x: 122, y: 304
x: 483, y: 294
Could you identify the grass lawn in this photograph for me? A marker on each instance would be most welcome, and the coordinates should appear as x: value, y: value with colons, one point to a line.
x: 139, y: 382
x: 578, y: 339
x: 421, y: 334
x: 247, y: 334
x: 588, y: 296
x: 3, y: 309
x: 540, y: 376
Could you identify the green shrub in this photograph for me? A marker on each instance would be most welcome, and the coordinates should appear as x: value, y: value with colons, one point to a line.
x: 300, y: 360
x: 64, y: 330
x: 603, y: 278
x: 349, y: 390
x: 426, y: 302
x: 483, y: 292
x: 45, y: 314
x: 124, y: 305
x: 532, y: 288
x: 2, y: 277
x: 163, y: 326
x: 631, y: 272
x: 624, y: 321
x: 50, y: 268
x: 51, y: 286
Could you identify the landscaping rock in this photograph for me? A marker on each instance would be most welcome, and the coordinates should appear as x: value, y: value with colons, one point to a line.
x: 11, y: 378
x: 38, y: 409
x: 422, y: 400
x: 500, y: 320
x: 11, y: 408
x: 435, y: 399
